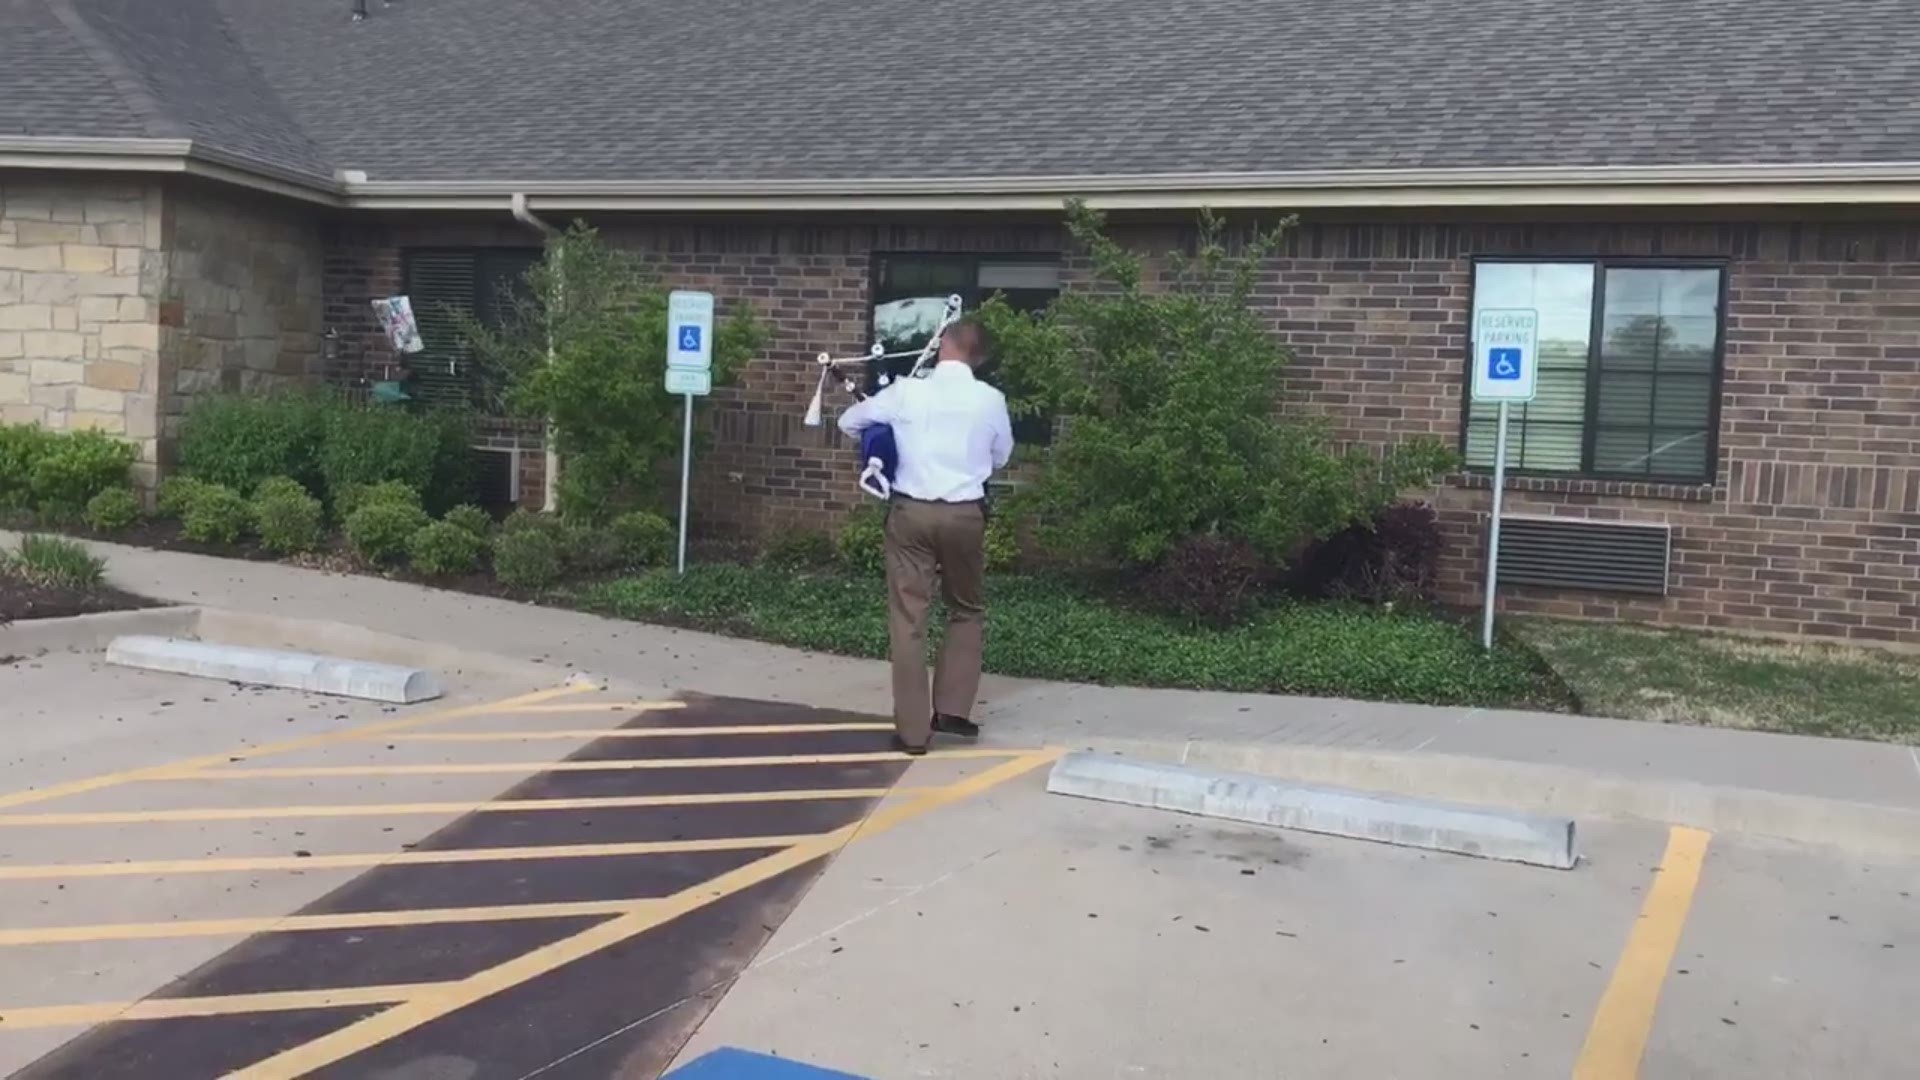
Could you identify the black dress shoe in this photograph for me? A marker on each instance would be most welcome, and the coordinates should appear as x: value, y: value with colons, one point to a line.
x: 957, y: 726
x: 901, y: 746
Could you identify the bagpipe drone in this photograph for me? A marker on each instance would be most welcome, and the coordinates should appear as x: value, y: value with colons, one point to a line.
x: 879, y: 455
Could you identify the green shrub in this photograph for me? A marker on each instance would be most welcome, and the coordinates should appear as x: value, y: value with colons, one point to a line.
x: 523, y: 520
x: 862, y: 539
x: 379, y: 532
x: 216, y: 514
x: 240, y: 440
x: 1002, y: 544
x: 53, y: 562
x: 113, y: 509
x: 645, y: 539
x: 526, y: 558
x: 21, y: 448
x: 429, y: 453
x: 355, y: 496
x: 472, y: 519
x: 799, y: 549
x: 288, y: 519
x: 443, y: 549
x: 176, y: 496
x: 588, y: 549
x: 75, y: 468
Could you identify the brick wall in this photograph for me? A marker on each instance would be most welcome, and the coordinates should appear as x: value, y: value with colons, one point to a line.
x: 1812, y: 526
x: 80, y: 278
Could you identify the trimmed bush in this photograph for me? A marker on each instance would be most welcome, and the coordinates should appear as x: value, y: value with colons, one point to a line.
x: 443, y: 549
x: 428, y: 452
x: 112, y: 510
x: 645, y: 539
x: 526, y: 558
x: 380, y: 531
x: 242, y: 440
x: 75, y: 468
x: 861, y: 542
x: 288, y: 519
x: 1395, y: 558
x: 523, y: 519
x: 176, y: 496
x: 53, y: 562
x: 1213, y: 580
x: 799, y: 549
x: 1002, y: 544
x: 588, y: 549
x: 472, y: 519
x: 21, y: 448
x: 216, y: 514
x: 387, y: 491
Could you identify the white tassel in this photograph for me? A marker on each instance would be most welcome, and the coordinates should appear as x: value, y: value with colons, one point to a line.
x: 813, y: 407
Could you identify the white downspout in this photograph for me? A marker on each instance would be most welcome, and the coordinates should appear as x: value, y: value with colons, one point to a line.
x: 551, y: 498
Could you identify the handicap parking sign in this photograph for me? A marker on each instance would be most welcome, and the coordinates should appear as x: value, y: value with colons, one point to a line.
x: 690, y: 339
x: 1505, y: 354
x: 690, y: 331
x: 1503, y: 363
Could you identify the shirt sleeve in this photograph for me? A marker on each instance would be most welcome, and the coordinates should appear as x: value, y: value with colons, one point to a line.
x: 1002, y: 431
x: 881, y: 408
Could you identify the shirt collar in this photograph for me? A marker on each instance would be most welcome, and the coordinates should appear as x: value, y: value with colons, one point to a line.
x: 953, y: 369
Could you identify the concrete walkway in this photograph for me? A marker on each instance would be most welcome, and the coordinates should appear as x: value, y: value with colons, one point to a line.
x: 1852, y: 794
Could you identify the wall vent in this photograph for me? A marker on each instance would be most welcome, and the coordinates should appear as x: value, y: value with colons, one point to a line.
x: 1601, y: 556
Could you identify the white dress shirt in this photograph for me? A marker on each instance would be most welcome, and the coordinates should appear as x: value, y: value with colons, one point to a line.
x: 952, y: 431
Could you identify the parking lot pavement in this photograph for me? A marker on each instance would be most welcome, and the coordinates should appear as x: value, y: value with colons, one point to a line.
x: 1027, y: 935
x: 386, y: 891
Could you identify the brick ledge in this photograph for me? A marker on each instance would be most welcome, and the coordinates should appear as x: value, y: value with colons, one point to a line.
x: 1574, y: 485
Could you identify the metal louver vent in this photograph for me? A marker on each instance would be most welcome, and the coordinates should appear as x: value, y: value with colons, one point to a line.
x: 1568, y: 553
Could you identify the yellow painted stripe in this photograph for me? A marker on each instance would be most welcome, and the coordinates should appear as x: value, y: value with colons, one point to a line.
x: 350, y: 1040
x: 309, y: 772
x: 277, y: 924
x: 242, y: 864
x: 1617, y: 1039
x: 630, y: 733
x: 498, y: 806
x: 586, y: 707
x: 171, y: 1008
x: 171, y: 769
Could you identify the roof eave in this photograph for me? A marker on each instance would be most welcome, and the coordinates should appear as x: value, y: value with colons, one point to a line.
x: 163, y: 156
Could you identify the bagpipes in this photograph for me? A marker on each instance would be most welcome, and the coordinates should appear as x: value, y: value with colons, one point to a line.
x: 878, y: 452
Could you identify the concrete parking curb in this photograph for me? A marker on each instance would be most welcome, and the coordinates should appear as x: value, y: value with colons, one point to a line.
x: 306, y: 672
x: 91, y: 633
x: 1509, y: 836
x: 1859, y: 828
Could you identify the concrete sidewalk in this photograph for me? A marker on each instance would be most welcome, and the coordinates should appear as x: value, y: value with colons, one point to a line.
x: 1852, y: 794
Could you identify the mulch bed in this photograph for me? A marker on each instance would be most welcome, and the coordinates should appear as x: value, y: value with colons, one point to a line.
x: 24, y: 600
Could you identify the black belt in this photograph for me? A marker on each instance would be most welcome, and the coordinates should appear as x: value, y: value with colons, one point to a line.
x: 939, y: 502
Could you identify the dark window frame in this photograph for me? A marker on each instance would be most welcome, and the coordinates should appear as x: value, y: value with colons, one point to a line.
x: 1037, y: 430
x: 1589, y: 422
x: 480, y: 304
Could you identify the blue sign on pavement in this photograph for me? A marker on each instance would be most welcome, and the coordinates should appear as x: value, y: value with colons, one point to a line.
x: 731, y: 1064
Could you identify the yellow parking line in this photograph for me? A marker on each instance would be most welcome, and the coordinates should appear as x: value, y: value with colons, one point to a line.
x: 498, y: 806
x: 427, y: 1007
x: 279, y: 924
x: 242, y: 864
x: 629, y: 733
x: 309, y: 772
x: 229, y: 1005
x: 1617, y: 1039
x: 586, y: 707
x: 94, y: 783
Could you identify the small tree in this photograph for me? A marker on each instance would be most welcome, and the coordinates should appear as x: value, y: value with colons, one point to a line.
x: 583, y: 347
x: 1170, y: 392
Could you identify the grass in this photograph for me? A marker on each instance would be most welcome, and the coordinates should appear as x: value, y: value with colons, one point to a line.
x: 1681, y: 677
x: 52, y: 562
x: 1044, y: 629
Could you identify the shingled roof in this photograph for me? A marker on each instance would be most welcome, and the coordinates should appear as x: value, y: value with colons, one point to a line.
x: 743, y: 91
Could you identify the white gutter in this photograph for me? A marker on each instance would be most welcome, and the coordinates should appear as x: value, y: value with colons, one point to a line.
x: 550, y: 497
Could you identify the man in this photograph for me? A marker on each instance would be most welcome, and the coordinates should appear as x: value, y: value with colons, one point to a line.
x: 952, y: 431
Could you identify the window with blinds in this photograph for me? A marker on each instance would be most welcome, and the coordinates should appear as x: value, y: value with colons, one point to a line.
x: 1629, y: 369
x: 447, y: 286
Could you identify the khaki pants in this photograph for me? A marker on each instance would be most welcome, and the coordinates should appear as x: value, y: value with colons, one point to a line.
x: 925, y: 539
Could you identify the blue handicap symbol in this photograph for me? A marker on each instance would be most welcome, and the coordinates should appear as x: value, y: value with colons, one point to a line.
x: 689, y: 339
x: 731, y: 1064
x: 1503, y: 364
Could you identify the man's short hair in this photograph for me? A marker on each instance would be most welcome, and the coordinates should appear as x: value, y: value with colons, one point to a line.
x: 970, y: 337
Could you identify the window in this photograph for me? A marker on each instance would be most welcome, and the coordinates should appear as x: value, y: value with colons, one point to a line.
x: 1629, y: 369
x: 910, y: 294
x: 445, y: 286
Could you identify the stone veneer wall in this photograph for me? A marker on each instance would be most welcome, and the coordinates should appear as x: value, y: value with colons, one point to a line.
x: 81, y: 272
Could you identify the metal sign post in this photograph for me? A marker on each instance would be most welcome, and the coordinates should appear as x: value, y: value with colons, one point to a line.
x: 1505, y: 370
x: 689, y: 374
